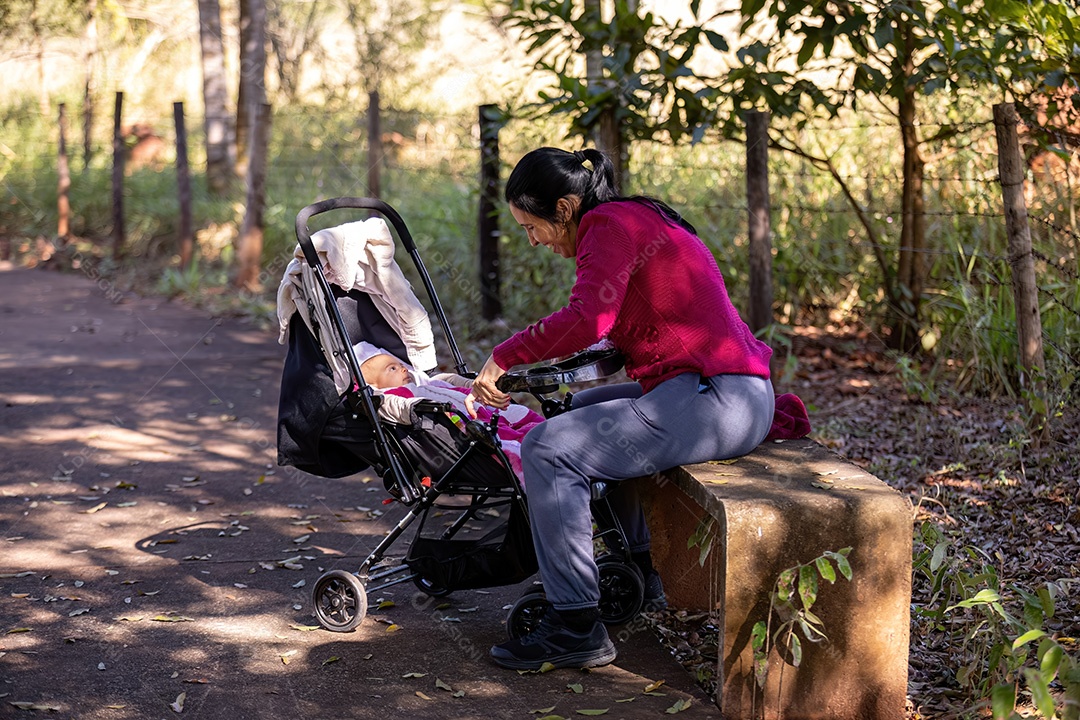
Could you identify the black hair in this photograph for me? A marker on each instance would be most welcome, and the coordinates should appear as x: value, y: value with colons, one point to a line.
x: 546, y: 174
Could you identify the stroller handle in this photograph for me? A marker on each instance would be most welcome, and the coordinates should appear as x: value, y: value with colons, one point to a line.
x: 303, y: 237
x: 303, y: 234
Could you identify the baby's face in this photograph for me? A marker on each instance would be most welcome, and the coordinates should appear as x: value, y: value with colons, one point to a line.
x: 385, y: 371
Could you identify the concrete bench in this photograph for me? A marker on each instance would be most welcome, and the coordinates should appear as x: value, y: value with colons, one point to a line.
x: 783, y: 505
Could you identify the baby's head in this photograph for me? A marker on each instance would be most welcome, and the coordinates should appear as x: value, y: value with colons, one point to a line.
x: 384, y: 371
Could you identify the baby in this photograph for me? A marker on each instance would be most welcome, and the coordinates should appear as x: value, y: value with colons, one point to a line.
x: 393, y: 378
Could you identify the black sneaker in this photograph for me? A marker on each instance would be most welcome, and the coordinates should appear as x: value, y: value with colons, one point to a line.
x: 655, y: 599
x: 554, y: 642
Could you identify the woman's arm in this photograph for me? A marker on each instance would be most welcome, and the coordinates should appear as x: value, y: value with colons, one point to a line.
x: 605, y: 264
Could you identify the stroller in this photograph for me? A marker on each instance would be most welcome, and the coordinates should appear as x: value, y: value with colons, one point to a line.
x: 327, y: 431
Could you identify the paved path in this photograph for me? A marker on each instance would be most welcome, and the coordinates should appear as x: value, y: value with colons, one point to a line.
x: 144, y: 523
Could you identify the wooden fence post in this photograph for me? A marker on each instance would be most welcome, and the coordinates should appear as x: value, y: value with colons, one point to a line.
x: 119, y: 151
x: 250, y: 243
x: 186, y: 239
x: 63, y: 184
x: 760, y: 226
x: 1022, y: 262
x: 375, y: 150
x: 490, y: 298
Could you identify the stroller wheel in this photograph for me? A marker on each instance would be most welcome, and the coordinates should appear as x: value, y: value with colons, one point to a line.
x: 340, y: 601
x: 430, y: 588
x: 622, y: 590
x: 525, y: 615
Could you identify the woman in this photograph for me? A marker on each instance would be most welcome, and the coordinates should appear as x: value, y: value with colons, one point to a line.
x: 702, y: 391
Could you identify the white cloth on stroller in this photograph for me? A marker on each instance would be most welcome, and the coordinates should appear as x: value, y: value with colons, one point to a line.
x: 357, y: 255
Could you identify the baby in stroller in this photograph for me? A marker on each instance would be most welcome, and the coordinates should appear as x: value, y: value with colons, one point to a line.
x: 385, y: 372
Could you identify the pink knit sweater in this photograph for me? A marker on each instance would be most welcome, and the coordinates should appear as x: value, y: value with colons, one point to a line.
x: 652, y: 288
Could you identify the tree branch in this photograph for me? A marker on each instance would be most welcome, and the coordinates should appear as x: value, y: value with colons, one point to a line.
x: 826, y: 164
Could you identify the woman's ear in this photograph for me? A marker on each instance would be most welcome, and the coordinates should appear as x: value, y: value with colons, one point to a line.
x: 566, y: 208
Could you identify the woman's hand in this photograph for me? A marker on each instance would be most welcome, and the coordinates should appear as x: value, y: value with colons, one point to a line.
x: 484, y: 390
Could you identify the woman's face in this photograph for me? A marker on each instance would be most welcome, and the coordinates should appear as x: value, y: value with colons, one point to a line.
x: 560, y: 238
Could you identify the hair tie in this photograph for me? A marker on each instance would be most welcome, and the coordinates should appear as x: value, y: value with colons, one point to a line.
x: 579, y: 156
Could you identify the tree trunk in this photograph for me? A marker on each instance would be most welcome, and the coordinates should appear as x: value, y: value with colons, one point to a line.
x: 252, y: 92
x: 63, y: 206
x: 250, y: 243
x: 215, y: 97
x: 911, y: 272
x: 88, y: 88
x: 760, y: 226
x: 118, y: 233
x: 1025, y: 291
x: 39, y: 44
x: 374, y: 146
x: 607, y: 134
x: 488, y: 222
x: 186, y: 235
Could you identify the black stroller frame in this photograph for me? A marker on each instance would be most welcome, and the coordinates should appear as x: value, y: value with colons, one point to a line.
x: 440, y: 565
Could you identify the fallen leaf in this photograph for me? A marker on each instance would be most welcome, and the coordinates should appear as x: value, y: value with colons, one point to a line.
x: 543, y: 710
x: 305, y: 628
x: 592, y: 712
x: 12, y: 631
x: 651, y: 687
x: 172, y: 618
x: 422, y: 696
x: 331, y: 659
x: 414, y: 675
x: 384, y: 604
x: 443, y: 686
x: 79, y: 611
x: 286, y: 655
x: 679, y: 706
x: 178, y: 705
x: 575, y: 687
x: 94, y: 509
x: 546, y: 667
x: 35, y: 706
x: 393, y: 627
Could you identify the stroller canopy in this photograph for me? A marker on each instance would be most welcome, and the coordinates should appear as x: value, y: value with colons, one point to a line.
x: 377, y: 304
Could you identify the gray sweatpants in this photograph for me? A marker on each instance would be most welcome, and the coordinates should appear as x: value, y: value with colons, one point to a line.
x: 616, y: 433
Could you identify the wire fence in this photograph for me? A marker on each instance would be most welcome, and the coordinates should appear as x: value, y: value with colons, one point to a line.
x: 430, y: 163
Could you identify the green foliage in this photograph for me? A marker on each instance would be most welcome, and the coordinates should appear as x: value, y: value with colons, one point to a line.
x: 790, y: 601
x: 993, y: 642
x: 647, y: 78
x: 702, y: 538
